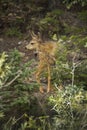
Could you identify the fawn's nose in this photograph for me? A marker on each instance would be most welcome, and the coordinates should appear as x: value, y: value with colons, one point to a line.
x: 27, y: 47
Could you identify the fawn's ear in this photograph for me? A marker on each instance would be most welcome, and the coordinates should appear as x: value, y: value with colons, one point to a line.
x: 40, y: 38
x: 36, y: 37
x: 39, y: 35
x: 33, y: 35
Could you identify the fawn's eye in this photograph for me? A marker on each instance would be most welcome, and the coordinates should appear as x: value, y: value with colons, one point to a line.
x: 32, y: 43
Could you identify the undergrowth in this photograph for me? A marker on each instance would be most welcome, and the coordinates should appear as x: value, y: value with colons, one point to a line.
x: 68, y: 103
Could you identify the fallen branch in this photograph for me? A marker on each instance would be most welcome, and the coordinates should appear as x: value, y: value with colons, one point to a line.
x: 9, y: 83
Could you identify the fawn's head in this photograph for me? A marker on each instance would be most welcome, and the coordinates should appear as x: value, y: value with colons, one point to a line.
x: 35, y: 42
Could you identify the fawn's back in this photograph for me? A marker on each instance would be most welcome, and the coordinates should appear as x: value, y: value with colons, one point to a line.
x: 46, y: 52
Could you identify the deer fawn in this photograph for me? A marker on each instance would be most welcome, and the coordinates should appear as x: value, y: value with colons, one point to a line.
x: 46, y: 54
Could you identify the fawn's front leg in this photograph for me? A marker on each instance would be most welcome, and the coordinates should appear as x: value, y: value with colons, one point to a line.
x: 39, y: 71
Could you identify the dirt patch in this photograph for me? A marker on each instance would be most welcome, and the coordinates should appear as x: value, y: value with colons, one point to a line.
x: 7, y: 44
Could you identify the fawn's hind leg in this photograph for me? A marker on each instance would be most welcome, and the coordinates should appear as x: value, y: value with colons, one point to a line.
x: 38, y: 81
x: 49, y: 78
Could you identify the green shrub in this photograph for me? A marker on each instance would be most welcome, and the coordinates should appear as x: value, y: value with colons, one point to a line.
x: 14, y: 90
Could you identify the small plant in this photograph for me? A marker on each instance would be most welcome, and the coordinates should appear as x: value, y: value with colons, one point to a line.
x: 83, y: 15
x: 69, y: 3
x: 5, y: 68
x: 30, y: 122
x: 1, y: 114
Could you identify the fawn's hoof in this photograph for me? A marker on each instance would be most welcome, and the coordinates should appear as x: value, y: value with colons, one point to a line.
x: 48, y: 90
x: 41, y: 90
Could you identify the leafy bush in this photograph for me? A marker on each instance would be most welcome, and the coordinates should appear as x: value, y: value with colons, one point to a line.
x: 68, y: 103
x: 67, y: 77
x: 70, y: 67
